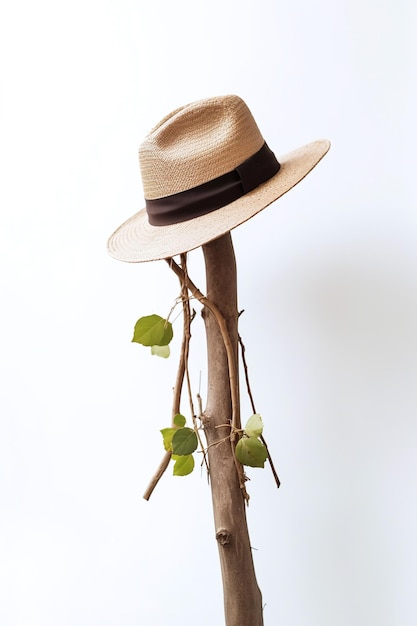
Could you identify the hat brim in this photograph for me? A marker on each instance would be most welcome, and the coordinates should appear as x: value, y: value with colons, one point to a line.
x: 137, y: 241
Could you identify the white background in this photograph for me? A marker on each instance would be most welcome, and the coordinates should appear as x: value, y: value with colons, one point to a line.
x: 327, y: 278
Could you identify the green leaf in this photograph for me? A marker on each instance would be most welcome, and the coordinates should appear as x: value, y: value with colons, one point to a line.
x: 251, y: 451
x: 179, y: 420
x: 254, y: 426
x: 167, y: 434
x: 184, y: 441
x: 183, y: 465
x: 153, y: 330
x: 162, y: 351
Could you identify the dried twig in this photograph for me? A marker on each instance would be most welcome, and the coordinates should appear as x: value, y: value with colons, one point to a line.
x: 181, y: 373
x: 188, y: 318
x: 175, y: 409
x: 245, y: 367
x: 232, y: 365
x: 225, y: 336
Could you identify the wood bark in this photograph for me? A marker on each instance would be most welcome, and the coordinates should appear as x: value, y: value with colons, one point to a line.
x: 242, y: 596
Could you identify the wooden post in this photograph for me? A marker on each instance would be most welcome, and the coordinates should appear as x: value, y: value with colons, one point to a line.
x: 242, y: 596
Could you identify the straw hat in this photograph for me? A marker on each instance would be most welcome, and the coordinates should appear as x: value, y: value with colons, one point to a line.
x: 205, y: 169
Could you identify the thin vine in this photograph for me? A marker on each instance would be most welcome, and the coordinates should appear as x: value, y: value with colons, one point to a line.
x: 182, y: 373
x: 233, y: 376
x: 251, y: 447
x: 248, y: 387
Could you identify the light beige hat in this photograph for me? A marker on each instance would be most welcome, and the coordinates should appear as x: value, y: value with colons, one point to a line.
x: 205, y: 169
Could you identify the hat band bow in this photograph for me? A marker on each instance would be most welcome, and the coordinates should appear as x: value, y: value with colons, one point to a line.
x: 216, y: 193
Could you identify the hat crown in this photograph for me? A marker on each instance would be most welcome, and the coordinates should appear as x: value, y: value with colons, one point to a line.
x: 197, y: 143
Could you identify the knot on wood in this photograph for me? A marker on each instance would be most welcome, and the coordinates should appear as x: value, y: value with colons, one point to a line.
x: 223, y: 536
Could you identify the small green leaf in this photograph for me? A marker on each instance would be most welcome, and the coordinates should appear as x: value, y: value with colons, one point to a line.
x: 251, y: 451
x: 183, y: 465
x: 254, y: 426
x: 162, y: 351
x: 179, y: 420
x: 153, y: 330
x: 184, y: 441
x: 167, y: 434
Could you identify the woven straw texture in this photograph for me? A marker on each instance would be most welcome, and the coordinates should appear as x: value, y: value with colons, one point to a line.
x: 191, y: 146
x: 197, y: 143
